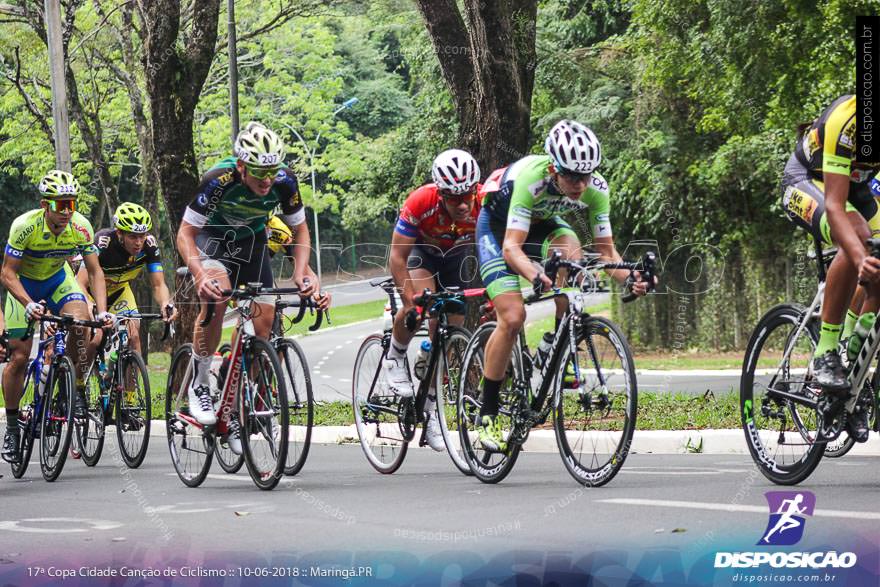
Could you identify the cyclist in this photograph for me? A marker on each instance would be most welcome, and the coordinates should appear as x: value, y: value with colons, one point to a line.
x: 827, y: 193
x: 520, y: 219
x: 35, y: 269
x: 124, y: 251
x: 433, y: 237
x: 223, y: 239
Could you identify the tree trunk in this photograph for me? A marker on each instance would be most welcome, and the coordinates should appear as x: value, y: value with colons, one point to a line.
x: 174, y: 80
x: 488, y: 64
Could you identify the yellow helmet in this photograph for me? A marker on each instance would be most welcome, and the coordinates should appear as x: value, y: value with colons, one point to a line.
x: 279, y: 234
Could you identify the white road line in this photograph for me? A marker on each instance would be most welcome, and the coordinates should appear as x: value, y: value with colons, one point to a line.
x: 707, y: 472
x: 325, y: 377
x: 349, y: 341
x: 339, y: 346
x: 345, y: 381
x: 728, y: 507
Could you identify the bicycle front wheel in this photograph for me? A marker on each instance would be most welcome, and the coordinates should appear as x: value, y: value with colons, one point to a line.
x: 262, y: 407
x: 379, y: 413
x: 447, y: 384
x: 28, y: 418
x: 488, y: 467
x: 300, y: 403
x: 57, y: 417
x: 778, y: 395
x: 191, y: 447
x: 134, y: 409
x: 90, y: 430
x: 230, y: 462
x: 595, y: 417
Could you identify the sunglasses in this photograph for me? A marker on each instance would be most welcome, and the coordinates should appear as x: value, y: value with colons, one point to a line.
x: 574, y: 176
x: 62, y: 205
x: 447, y: 195
x: 261, y: 172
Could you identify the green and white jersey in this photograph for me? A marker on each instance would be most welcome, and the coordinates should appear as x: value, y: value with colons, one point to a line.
x: 523, y: 194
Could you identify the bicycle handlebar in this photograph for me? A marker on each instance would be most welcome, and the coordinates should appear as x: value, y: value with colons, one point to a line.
x: 646, y: 268
x: 253, y: 290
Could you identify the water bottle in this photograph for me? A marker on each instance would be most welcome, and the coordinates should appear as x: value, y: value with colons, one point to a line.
x: 543, y: 349
x: 421, y: 364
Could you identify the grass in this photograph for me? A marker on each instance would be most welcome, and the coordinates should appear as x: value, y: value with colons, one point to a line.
x: 536, y: 329
x: 339, y: 316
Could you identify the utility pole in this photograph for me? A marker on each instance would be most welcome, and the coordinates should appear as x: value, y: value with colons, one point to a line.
x: 233, y: 70
x: 59, y: 86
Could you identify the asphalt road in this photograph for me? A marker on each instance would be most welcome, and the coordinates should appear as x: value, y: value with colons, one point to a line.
x: 339, y: 507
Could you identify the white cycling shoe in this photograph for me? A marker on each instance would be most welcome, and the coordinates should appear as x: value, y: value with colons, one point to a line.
x: 201, y: 407
x: 433, y: 434
x: 397, y: 377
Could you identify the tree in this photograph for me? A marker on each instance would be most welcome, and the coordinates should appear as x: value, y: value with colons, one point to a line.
x: 491, y: 75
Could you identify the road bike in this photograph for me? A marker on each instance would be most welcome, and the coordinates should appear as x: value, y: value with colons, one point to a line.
x: 254, y: 393
x: 118, y: 393
x: 387, y: 423
x: 789, y: 423
x: 586, y: 382
x: 47, y: 404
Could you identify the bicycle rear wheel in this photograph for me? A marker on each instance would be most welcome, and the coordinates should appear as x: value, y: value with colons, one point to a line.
x: 300, y: 403
x: 488, y: 467
x: 595, y: 419
x: 28, y: 424
x: 229, y: 461
x: 57, y: 418
x: 262, y: 407
x: 447, y: 384
x: 378, y: 411
x: 134, y: 409
x: 191, y: 447
x: 90, y: 430
x: 777, y: 396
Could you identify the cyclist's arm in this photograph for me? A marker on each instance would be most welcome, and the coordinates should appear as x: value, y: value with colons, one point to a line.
x: 160, y: 289
x: 186, y: 246
x: 302, y: 252
x: 401, y: 246
x: 604, y: 245
x: 514, y: 255
x: 96, y: 281
x: 10, y: 280
x: 82, y: 276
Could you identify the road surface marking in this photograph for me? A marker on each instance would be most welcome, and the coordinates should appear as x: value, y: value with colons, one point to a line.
x: 729, y: 507
x: 13, y: 525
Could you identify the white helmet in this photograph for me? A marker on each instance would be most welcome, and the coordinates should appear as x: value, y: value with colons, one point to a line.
x: 455, y: 171
x: 573, y: 147
x: 258, y: 146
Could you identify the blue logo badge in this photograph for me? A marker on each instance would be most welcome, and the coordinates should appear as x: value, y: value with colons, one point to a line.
x: 787, y: 516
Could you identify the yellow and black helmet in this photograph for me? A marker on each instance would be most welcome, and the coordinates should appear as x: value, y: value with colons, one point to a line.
x: 279, y: 234
x: 130, y: 217
x: 59, y: 184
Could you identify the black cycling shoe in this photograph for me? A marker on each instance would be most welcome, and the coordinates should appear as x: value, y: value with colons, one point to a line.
x: 11, y: 452
x: 829, y: 373
x: 80, y: 410
x: 857, y: 424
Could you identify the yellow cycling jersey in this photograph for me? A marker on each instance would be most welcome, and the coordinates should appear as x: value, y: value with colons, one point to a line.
x: 279, y: 234
x: 829, y: 144
x: 42, y: 253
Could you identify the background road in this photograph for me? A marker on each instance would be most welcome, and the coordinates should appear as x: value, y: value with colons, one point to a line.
x: 338, y: 502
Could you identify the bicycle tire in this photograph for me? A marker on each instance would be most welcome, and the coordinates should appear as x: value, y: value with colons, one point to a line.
x: 56, y: 429
x: 774, y: 333
x: 186, y: 442
x: 132, y: 418
x: 612, y: 356
x: 91, y: 431
x: 263, y: 413
x: 300, y: 403
x: 28, y: 424
x: 230, y: 462
x: 376, y: 409
x: 447, y: 384
x: 488, y: 467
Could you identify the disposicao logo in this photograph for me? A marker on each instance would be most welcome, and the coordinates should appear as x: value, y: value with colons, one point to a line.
x: 788, y: 511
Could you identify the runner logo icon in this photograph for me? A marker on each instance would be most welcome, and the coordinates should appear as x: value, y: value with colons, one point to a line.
x: 787, y: 516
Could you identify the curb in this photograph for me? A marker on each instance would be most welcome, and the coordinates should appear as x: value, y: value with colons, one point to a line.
x: 660, y: 442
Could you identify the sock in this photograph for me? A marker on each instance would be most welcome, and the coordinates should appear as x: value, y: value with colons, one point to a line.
x: 849, y: 324
x: 491, y: 391
x: 12, y: 419
x: 397, y: 350
x: 201, y: 370
x: 829, y: 336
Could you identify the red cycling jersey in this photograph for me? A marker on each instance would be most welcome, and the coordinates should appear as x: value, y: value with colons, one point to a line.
x: 423, y: 216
